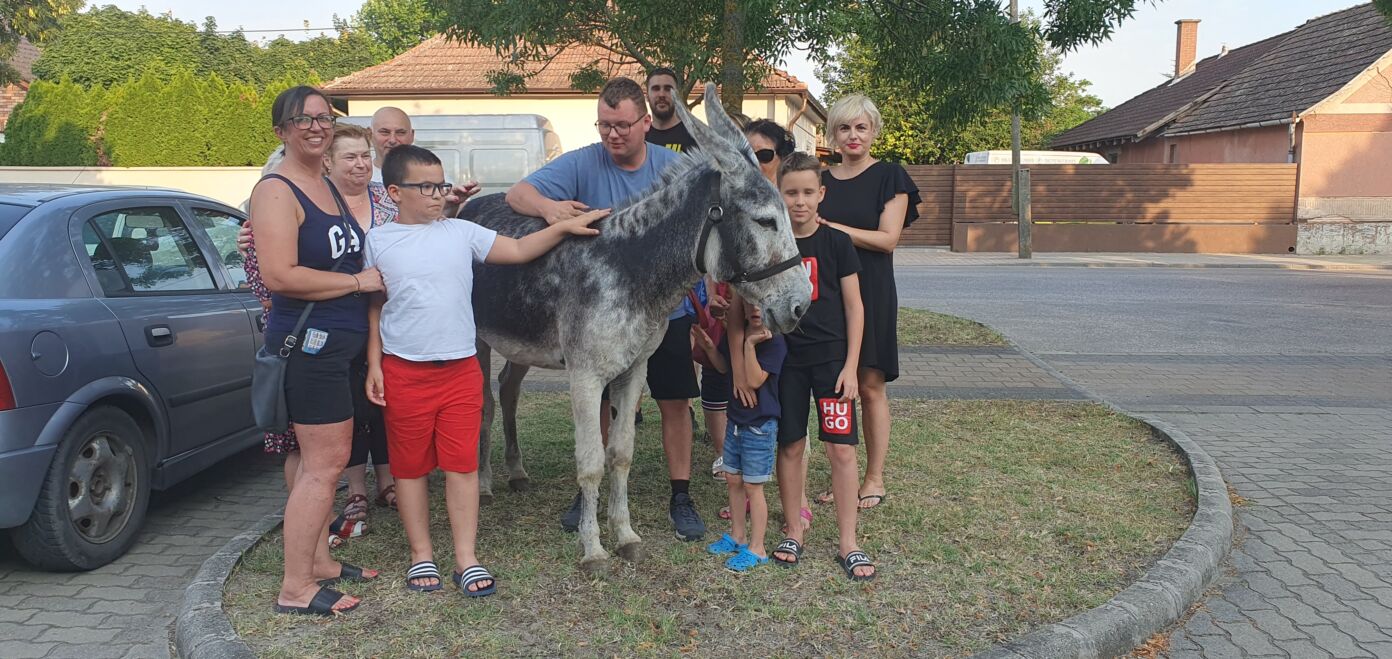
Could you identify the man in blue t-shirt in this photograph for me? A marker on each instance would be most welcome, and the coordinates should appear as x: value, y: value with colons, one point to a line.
x: 620, y: 167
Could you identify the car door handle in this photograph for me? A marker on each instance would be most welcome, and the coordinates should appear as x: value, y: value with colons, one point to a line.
x: 261, y: 323
x: 159, y: 335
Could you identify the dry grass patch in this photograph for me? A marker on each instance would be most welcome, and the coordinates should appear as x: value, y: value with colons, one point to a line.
x: 918, y: 327
x: 1001, y: 516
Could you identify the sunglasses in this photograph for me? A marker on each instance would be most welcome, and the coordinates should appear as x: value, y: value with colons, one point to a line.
x: 765, y: 155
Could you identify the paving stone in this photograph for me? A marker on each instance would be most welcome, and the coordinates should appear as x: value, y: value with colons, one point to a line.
x: 1276, y: 626
x: 1361, y: 630
x: 1250, y: 638
x: 1335, y: 642
x: 23, y: 650
x: 77, y: 635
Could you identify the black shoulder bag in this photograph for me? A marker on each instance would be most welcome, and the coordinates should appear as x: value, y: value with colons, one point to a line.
x: 268, y: 405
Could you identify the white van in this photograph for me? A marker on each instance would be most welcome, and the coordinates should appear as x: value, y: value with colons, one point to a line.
x: 496, y: 150
x: 1036, y: 158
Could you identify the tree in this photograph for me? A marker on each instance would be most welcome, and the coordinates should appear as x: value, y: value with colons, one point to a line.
x: 725, y: 40
x: 966, y: 53
x: 35, y: 20
x: 56, y: 125
x: 396, y: 26
x: 108, y: 45
x: 914, y: 134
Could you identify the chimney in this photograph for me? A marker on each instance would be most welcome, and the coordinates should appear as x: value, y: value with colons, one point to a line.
x: 1186, y: 45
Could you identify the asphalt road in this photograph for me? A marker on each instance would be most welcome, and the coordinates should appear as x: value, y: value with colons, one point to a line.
x: 1165, y: 310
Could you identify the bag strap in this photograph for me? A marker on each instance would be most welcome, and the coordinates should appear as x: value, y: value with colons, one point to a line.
x: 701, y: 318
x: 293, y: 339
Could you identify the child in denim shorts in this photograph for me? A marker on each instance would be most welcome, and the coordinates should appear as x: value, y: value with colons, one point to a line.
x: 751, y: 438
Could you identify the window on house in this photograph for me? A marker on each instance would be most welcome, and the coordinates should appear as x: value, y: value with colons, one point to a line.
x: 1174, y: 154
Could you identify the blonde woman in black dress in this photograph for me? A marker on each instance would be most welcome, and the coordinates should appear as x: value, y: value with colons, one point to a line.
x: 872, y: 202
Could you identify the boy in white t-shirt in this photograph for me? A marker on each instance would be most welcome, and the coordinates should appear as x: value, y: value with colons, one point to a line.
x: 421, y: 357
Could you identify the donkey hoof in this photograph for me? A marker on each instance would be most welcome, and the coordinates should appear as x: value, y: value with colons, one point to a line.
x: 595, y: 567
x: 485, y: 498
x: 519, y: 484
x: 633, y: 552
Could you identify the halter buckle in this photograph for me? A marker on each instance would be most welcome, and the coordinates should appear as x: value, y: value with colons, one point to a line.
x: 715, y: 213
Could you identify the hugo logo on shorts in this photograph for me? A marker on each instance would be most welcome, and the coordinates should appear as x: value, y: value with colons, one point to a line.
x: 836, y: 415
x: 809, y: 267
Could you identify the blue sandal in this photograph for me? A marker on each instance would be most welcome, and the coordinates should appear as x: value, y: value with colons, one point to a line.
x: 745, y: 560
x: 472, y: 575
x: 725, y: 545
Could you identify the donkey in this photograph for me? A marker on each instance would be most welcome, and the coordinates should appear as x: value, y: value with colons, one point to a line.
x: 597, y: 307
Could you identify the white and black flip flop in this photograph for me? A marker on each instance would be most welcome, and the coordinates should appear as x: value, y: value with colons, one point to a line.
x: 472, y: 575
x: 424, y: 570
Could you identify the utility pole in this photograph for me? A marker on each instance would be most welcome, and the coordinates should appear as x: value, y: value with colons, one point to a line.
x: 1018, y: 194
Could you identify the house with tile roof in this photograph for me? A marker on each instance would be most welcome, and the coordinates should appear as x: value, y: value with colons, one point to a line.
x: 442, y: 76
x: 1319, y: 96
x: 13, y: 93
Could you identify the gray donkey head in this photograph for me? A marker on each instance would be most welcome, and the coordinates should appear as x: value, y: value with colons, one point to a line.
x: 750, y: 240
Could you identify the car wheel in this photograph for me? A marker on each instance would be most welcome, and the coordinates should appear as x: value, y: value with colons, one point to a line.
x: 93, y: 499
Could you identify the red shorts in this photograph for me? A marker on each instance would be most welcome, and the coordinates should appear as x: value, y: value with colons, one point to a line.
x: 433, y: 414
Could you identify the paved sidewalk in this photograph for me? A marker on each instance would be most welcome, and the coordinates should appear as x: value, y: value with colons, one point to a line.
x: 941, y: 256
x: 1307, y: 441
x: 125, y: 609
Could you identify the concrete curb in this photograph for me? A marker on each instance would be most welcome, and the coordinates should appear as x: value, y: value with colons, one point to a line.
x: 1157, y: 600
x: 1167, y: 590
x: 202, y: 630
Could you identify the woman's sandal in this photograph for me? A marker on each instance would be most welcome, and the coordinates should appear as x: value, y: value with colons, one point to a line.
x: 356, y: 508
x: 321, y: 605
x: 424, y: 570
x: 788, y: 546
x: 806, y: 516
x: 854, y: 560
x: 347, y: 572
x: 472, y: 575
x: 387, y: 497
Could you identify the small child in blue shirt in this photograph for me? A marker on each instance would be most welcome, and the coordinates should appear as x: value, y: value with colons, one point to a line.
x: 751, y: 437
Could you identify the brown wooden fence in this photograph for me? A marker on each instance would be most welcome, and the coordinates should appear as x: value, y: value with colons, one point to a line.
x: 1245, y: 208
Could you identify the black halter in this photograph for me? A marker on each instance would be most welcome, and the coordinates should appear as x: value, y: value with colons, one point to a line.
x: 713, y: 217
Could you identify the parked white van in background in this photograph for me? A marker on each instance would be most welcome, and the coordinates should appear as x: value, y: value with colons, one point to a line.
x: 496, y: 150
x: 1036, y: 158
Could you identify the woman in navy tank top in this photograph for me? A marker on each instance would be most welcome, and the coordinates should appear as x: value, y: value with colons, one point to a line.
x: 308, y: 253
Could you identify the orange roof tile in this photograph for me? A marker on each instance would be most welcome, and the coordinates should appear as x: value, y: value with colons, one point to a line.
x: 441, y: 66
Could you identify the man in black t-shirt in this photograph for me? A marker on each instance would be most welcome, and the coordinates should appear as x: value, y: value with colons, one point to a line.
x: 667, y: 130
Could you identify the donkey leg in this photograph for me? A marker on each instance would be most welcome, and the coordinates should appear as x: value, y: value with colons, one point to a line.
x: 510, y: 390
x: 589, y: 462
x: 624, y: 392
x: 485, y: 470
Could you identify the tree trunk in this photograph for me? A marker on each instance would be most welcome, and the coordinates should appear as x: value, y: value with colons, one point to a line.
x: 732, y: 58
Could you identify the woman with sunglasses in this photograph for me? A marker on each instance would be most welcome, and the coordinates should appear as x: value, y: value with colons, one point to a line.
x: 872, y: 202
x: 309, y: 252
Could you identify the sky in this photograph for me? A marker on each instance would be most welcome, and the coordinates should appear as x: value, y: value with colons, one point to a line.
x: 1136, y: 58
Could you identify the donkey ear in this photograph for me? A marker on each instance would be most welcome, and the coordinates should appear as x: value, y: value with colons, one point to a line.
x: 720, y: 147
x: 721, y: 122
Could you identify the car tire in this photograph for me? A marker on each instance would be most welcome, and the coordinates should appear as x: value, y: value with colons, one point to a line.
x: 94, y: 496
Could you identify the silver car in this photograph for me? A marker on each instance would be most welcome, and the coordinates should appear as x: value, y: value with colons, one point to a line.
x: 126, y: 339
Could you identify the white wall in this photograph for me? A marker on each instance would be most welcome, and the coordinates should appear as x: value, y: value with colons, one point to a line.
x: 230, y: 185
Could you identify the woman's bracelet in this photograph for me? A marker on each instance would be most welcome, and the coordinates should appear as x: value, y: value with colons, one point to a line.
x: 357, y: 283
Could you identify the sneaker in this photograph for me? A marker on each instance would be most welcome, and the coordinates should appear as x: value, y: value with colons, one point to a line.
x: 744, y: 560
x: 682, y: 512
x: 570, y: 519
x: 718, y: 469
x: 725, y: 545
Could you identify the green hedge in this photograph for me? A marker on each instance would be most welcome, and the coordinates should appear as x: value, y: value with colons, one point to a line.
x: 161, y: 119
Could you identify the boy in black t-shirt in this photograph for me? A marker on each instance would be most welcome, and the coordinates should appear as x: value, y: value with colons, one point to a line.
x: 823, y: 355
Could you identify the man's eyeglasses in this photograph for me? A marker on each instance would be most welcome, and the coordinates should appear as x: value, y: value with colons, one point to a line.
x: 302, y: 121
x: 765, y: 155
x: 429, y: 189
x: 623, y: 128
